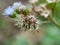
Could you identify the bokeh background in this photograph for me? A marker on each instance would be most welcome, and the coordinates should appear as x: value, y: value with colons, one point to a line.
x: 10, y: 35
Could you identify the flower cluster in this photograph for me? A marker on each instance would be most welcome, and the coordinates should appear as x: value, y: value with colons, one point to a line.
x: 20, y: 14
x: 26, y: 18
x: 17, y: 6
x: 43, y: 10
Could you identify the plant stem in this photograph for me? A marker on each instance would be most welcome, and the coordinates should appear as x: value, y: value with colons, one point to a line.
x: 53, y: 21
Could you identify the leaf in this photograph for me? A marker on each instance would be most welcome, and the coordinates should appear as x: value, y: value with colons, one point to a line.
x: 56, y: 14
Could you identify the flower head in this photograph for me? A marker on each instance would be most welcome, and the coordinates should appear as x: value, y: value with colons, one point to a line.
x: 18, y: 5
x: 19, y: 20
x: 52, y: 1
x: 22, y: 7
x: 33, y: 1
x: 41, y: 8
x: 29, y: 16
x: 45, y: 13
x: 32, y: 18
x: 8, y: 11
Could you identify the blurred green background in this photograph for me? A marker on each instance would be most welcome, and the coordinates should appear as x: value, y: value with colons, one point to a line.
x: 10, y: 35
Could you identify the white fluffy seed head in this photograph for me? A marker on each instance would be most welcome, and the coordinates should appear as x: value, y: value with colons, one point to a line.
x: 19, y: 20
x: 31, y: 16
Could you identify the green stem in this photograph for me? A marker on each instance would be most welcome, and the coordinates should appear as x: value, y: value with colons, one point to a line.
x: 53, y: 21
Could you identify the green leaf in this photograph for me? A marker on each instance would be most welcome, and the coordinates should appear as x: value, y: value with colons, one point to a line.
x: 56, y: 14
